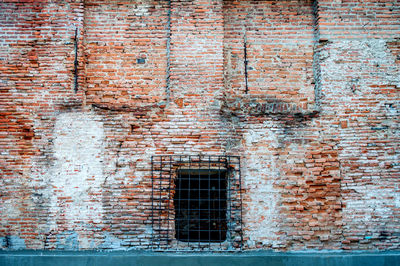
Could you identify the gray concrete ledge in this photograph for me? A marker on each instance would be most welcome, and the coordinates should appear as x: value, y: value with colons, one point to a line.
x: 114, y: 258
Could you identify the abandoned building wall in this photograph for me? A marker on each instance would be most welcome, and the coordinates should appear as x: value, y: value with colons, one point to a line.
x: 360, y: 92
x: 305, y: 92
x: 37, y: 84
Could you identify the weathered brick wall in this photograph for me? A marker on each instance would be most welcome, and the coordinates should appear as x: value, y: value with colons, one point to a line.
x: 279, y: 45
x: 117, y: 37
x: 317, y: 130
x: 37, y: 62
x: 360, y: 91
x: 359, y: 19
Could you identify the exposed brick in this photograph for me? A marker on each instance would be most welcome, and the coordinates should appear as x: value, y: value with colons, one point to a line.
x: 317, y: 129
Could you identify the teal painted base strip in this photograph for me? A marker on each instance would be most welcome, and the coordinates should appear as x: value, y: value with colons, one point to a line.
x: 56, y: 258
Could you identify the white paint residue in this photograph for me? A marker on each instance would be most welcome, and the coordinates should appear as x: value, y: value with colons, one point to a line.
x: 374, y: 205
x: 9, y: 209
x: 77, y: 173
x: 259, y: 176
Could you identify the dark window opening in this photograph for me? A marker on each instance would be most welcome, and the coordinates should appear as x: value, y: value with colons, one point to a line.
x: 200, y: 205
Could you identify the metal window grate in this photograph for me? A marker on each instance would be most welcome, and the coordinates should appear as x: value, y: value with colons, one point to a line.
x: 196, y: 203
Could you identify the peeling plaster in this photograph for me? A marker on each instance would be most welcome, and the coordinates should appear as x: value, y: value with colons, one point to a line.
x: 77, y: 173
x: 259, y: 176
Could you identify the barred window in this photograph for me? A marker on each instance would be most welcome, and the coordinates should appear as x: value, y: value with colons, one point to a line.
x: 196, y: 203
x: 200, y: 205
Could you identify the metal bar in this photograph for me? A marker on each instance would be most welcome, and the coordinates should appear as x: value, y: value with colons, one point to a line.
x: 199, y: 201
x: 169, y: 195
x: 188, y: 209
x: 196, y: 155
x: 152, y: 205
x: 219, y: 197
x: 209, y: 204
x: 76, y: 61
x: 229, y: 201
x: 179, y: 204
x: 245, y: 62
x: 241, y: 207
x: 160, y: 212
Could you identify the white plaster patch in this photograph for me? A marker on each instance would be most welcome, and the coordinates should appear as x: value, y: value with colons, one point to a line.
x: 111, y: 242
x: 9, y: 209
x: 380, y: 66
x: 374, y: 205
x: 259, y: 174
x: 77, y: 173
x: 142, y: 9
x: 371, y: 202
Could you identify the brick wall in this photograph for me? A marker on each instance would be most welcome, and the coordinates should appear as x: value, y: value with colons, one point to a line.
x: 316, y: 128
x: 125, y: 52
x: 37, y: 62
x: 360, y: 90
x: 279, y: 47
